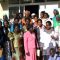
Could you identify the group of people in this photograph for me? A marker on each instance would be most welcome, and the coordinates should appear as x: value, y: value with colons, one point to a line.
x: 30, y: 37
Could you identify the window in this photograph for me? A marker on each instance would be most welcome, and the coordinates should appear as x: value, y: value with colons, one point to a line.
x: 13, y: 11
x: 13, y: 1
x: 49, y: 9
x: 52, y: 0
x: 39, y: 1
x: 27, y: 1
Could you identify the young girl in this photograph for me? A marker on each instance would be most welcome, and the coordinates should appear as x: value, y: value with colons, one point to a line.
x: 58, y: 54
x: 52, y: 54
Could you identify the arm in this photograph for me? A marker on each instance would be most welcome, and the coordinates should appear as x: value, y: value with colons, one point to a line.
x: 26, y: 43
x: 38, y: 36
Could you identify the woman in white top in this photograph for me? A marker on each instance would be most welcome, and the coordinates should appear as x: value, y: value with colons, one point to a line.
x: 46, y: 41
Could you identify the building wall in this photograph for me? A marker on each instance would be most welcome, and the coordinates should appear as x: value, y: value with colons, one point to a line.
x: 4, y: 10
x: 4, y: 7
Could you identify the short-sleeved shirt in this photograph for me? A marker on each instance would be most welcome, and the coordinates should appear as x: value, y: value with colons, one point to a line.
x: 55, y: 23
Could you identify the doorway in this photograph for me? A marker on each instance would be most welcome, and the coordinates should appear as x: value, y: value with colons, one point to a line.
x: 33, y: 9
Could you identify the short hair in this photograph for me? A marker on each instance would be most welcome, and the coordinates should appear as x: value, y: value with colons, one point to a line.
x: 16, y: 18
x: 52, y: 49
x: 49, y: 23
x: 43, y: 12
x: 6, y: 21
x: 35, y: 16
x: 29, y: 26
x: 27, y: 19
x: 56, y: 11
x: 16, y: 26
x: 39, y: 20
x: 47, y: 15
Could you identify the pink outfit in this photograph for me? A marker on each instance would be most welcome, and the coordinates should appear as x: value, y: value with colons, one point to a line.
x: 29, y: 45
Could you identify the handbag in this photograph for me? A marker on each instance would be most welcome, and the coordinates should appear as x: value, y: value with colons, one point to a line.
x: 38, y: 52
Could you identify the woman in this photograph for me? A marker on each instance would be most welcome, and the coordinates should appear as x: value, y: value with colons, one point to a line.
x: 16, y: 39
x: 46, y: 41
x: 46, y: 18
x: 35, y: 21
x: 7, y: 43
x: 6, y: 27
x: 55, y: 23
x: 27, y: 22
x: 40, y: 30
x: 29, y: 44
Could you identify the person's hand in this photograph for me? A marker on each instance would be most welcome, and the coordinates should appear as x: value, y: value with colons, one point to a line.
x: 28, y: 54
x: 52, y: 37
x: 56, y: 38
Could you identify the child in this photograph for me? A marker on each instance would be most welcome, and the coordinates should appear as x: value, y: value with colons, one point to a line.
x: 52, y: 54
x: 58, y: 54
x: 2, y: 57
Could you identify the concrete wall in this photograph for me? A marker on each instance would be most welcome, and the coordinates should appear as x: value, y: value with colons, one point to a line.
x: 4, y: 10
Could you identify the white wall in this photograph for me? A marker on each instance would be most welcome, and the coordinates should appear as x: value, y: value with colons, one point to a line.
x: 49, y: 9
x: 3, y: 10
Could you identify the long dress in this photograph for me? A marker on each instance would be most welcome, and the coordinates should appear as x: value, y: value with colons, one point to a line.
x: 29, y: 45
x: 17, y: 45
x: 7, y: 45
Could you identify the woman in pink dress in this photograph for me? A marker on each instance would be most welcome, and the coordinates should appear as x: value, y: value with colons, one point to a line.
x: 29, y: 44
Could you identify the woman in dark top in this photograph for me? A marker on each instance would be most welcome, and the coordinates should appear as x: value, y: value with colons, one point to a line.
x: 7, y: 44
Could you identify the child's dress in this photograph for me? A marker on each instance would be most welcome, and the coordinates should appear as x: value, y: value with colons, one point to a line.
x: 52, y: 58
x: 58, y: 58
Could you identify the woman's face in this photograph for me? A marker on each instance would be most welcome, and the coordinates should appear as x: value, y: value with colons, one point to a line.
x: 39, y: 23
x: 27, y: 22
x: 16, y: 21
x: 48, y: 26
x: 52, y: 52
x: 41, y: 15
x: 45, y: 15
x: 5, y: 24
x: 31, y: 29
x: 27, y: 13
x: 16, y: 29
x: 55, y: 13
x: 35, y: 19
